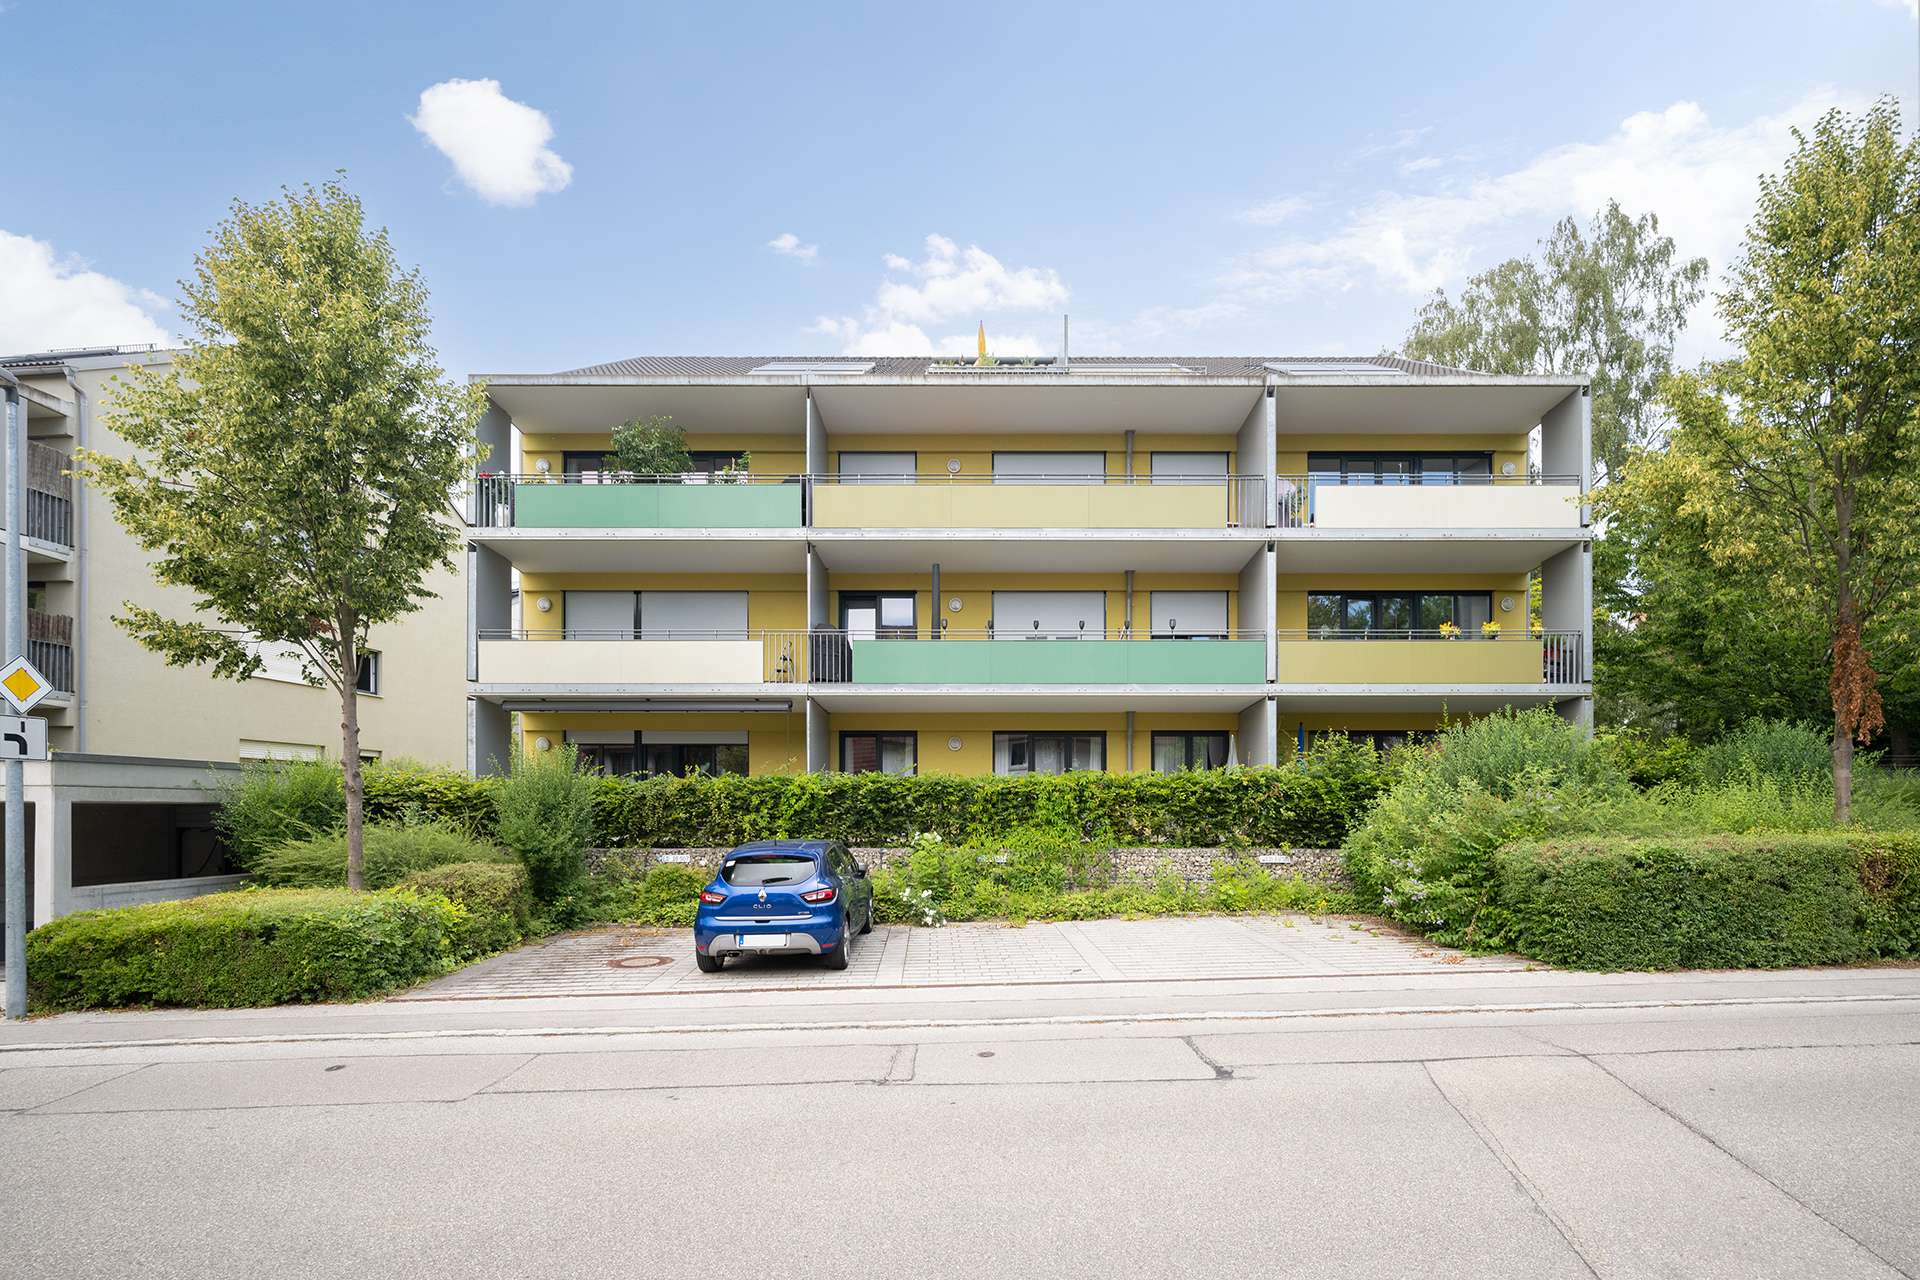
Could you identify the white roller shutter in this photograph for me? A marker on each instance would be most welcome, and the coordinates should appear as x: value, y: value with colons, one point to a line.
x: 1049, y: 468
x: 1189, y: 468
x: 876, y: 468
x: 693, y: 615
x: 598, y: 615
x: 1049, y: 613
x: 1188, y: 613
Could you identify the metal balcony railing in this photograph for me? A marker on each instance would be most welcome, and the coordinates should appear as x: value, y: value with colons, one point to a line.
x: 50, y: 647
x: 1295, y: 493
x: 49, y: 513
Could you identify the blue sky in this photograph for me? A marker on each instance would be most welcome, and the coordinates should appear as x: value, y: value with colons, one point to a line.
x: 1181, y: 178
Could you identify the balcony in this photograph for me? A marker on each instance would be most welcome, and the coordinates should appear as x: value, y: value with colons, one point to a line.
x: 50, y: 648
x: 1461, y: 502
x: 976, y: 657
x: 537, y: 658
x: 603, y: 501
x: 942, y: 501
x: 1430, y: 658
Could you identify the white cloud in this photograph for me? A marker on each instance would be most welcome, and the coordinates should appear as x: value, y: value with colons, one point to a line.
x: 788, y: 245
x: 47, y: 301
x: 948, y: 283
x: 1271, y: 213
x: 1699, y: 176
x: 498, y: 146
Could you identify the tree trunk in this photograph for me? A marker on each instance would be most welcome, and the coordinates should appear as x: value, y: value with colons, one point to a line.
x: 1842, y: 769
x: 350, y: 762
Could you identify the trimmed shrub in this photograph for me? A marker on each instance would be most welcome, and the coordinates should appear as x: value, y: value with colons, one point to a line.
x: 392, y: 854
x: 496, y: 896
x: 254, y: 947
x: 544, y: 813
x: 1787, y: 751
x: 408, y: 791
x: 667, y: 896
x: 273, y: 802
x: 1707, y: 902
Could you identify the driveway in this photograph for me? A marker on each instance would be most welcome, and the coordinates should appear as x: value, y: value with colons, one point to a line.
x: 628, y: 961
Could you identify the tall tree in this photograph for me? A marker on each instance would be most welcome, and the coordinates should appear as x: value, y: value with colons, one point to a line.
x: 294, y: 466
x: 1801, y: 455
x: 1610, y: 301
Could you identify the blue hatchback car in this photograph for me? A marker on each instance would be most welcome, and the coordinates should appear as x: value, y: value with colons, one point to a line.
x: 783, y: 897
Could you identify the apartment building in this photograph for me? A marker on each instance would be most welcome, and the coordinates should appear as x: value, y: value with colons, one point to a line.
x: 971, y: 566
x: 121, y: 812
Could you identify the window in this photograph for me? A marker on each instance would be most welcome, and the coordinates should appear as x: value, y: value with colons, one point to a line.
x: 600, y: 615
x: 252, y: 750
x: 877, y: 468
x: 708, y: 461
x: 886, y: 752
x: 1049, y: 615
x: 685, y: 758
x: 884, y: 613
x: 1173, y: 752
x: 1401, y: 468
x: 1015, y: 753
x: 1188, y: 615
x: 608, y: 751
x: 1382, y: 740
x: 1049, y: 468
x: 754, y: 870
x: 1189, y: 468
x: 368, y: 678
x: 1385, y: 615
x: 586, y: 466
x: 693, y: 615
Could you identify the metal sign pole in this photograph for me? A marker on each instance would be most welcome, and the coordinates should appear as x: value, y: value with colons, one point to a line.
x: 16, y: 610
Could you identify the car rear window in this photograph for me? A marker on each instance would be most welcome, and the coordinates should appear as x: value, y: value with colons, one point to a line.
x: 768, y: 868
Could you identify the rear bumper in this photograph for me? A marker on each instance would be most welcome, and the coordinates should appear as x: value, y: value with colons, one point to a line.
x: 798, y: 937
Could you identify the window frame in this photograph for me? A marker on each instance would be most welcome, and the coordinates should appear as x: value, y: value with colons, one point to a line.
x: 366, y: 675
x: 912, y: 737
x: 1188, y: 736
x: 878, y: 599
x: 1415, y: 595
x: 1099, y: 735
x: 1336, y: 466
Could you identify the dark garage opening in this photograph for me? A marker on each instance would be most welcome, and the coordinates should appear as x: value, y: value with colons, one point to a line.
x: 121, y: 843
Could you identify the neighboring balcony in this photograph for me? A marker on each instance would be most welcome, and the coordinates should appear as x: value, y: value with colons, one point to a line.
x: 50, y: 648
x: 1430, y: 658
x: 537, y: 658
x: 731, y: 500
x: 942, y: 501
x: 1112, y: 658
x: 1458, y: 502
x: 49, y: 499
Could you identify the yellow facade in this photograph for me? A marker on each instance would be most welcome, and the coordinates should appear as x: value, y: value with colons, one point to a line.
x: 974, y: 730
x: 776, y: 741
x: 775, y: 601
x: 937, y: 453
x: 766, y: 455
x: 975, y: 593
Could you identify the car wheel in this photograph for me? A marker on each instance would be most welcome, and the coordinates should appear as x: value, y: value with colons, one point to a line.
x: 707, y: 963
x: 866, y: 926
x: 837, y: 958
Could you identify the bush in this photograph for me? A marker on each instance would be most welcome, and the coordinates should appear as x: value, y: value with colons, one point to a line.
x: 1646, y: 762
x: 408, y: 791
x: 496, y: 896
x: 255, y: 947
x: 271, y: 803
x: 1787, y: 751
x: 544, y: 813
x: 392, y: 854
x: 1708, y: 902
x: 667, y: 897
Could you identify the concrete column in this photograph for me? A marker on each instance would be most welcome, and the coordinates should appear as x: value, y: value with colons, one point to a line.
x: 819, y: 739
x: 816, y: 455
x: 1256, y: 734
x: 52, y: 853
x: 1257, y: 588
x: 1254, y: 449
x: 489, y: 738
x: 1566, y: 443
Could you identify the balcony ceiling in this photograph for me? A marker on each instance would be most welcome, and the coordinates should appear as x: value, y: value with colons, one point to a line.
x: 980, y: 406
x: 1029, y: 551
x: 1426, y: 406
x: 840, y: 699
x: 689, y: 551
x: 1419, y: 551
x: 560, y: 404
x: 1300, y: 700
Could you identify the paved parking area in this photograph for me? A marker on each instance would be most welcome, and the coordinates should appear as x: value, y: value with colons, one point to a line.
x: 627, y: 961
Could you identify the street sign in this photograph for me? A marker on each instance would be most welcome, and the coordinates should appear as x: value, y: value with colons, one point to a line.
x: 23, y: 686
x: 23, y: 738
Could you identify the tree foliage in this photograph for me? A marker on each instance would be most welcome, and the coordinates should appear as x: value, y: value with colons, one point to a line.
x: 1609, y: 301
x: 294, y: 466
x: 651, y: 447
x: 1798, y: 460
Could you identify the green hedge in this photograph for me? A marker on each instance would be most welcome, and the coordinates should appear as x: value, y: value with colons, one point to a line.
x: 497, y: 896
x: 1765, y: 900
x: 1311, y: 804
x: 256, y: 947
x: 390, y: 854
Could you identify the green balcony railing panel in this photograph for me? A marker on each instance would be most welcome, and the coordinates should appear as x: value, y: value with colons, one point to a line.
x: 656, y: 506
x: 1059, y: 662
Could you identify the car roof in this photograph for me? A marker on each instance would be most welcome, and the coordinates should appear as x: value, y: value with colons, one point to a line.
x: 783, y: 846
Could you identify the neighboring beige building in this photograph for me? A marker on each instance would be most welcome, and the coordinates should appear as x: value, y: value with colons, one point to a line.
x: 121, y: 699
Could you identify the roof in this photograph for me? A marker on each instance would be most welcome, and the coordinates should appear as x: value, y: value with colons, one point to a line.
x: 916, y: 366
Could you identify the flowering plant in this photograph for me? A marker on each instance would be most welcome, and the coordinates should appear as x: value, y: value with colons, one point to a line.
x: 1448, y: 631
x: 1490, y: 629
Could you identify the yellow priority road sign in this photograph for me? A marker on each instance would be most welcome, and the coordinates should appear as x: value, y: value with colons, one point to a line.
x: 22, y: 685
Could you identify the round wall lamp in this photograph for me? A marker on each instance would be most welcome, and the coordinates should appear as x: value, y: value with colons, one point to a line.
x: 543, y: 744
x: 954, y: 744
x: 953, y: 466
x: 1506, y: 468
x: 543, y: 466
x: 543, y: 604
x: 1506, y: 604
x: 954, y: 605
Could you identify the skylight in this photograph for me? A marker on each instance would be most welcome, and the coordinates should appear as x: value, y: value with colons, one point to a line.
x: 1364, y: 368
x: 815, y: 366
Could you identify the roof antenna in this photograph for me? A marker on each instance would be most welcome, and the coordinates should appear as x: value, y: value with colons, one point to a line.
x: 1066, y: 361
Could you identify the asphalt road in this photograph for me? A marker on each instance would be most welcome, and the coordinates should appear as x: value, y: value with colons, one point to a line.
x: 1483, y: 1125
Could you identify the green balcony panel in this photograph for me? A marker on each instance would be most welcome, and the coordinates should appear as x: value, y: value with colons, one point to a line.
x: 1059, y: 661
x: 656, y: 506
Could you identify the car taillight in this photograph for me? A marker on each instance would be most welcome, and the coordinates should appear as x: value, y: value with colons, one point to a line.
x: 818, y: 895
x: 712, y: 898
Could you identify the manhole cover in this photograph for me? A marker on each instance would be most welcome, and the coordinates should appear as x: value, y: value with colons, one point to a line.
x: 638, y: 962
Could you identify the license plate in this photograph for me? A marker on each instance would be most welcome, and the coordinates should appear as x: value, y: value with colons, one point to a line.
x: 762, y: 941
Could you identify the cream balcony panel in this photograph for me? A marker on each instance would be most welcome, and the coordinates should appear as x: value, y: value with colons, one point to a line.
x: 546, y: 662
x: 938, y: 505
x: 1467, y: 506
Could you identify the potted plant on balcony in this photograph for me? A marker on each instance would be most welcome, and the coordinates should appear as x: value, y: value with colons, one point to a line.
x: 1490, y: 630
x: 735, y: 472
x: 1448, y: 631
